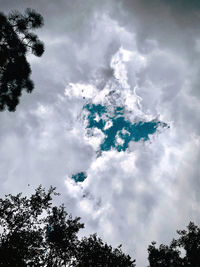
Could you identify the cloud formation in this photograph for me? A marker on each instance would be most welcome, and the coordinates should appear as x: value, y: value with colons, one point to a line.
x: 147, y: 53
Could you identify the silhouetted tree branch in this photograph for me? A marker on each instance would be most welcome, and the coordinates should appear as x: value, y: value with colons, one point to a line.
x: 16, y: 41
x: 170, y: 256
x: 36, y: 233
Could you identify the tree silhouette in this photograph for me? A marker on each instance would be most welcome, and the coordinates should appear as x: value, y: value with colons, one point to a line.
x: 93, y: 252
x: 16, y: 40
x: 170, y: 256
x: 36, y: 233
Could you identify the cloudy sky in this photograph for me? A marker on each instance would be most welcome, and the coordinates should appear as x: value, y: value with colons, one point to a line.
x: 113, y: 121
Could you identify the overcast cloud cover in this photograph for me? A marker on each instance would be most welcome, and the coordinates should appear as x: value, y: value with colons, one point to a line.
x: 143, y: 55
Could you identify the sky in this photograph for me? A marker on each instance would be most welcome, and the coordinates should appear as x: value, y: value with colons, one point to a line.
x: 113, y: 121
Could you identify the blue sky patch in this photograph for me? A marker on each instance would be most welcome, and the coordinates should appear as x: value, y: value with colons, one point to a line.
x: 121, y: 131
x: 79, y: 177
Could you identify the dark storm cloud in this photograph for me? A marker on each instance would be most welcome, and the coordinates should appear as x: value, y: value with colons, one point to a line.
x: 140, y: 192
x: 69, y: 35
x: 173, y: 25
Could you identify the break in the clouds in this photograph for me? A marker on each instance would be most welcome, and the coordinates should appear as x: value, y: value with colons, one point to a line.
x: 115, y: 111
x: 113, y: 121
x: 118, y: 131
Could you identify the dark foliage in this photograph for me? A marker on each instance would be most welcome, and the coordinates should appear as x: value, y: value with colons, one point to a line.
x: 16, y: 41
x: 36, y: 233
x: 93, y: 252
x: 170, y: 256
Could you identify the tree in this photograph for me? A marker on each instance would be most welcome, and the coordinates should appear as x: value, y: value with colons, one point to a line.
x: 93, y: 252
x: 170, y: 256
x: 36, y: 233
x: 16, y: 40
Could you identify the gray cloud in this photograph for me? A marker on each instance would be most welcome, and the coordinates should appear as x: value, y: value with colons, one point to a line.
x: 130, y: 198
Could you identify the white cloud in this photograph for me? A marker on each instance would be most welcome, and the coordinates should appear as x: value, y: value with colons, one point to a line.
x: 130, y: 53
